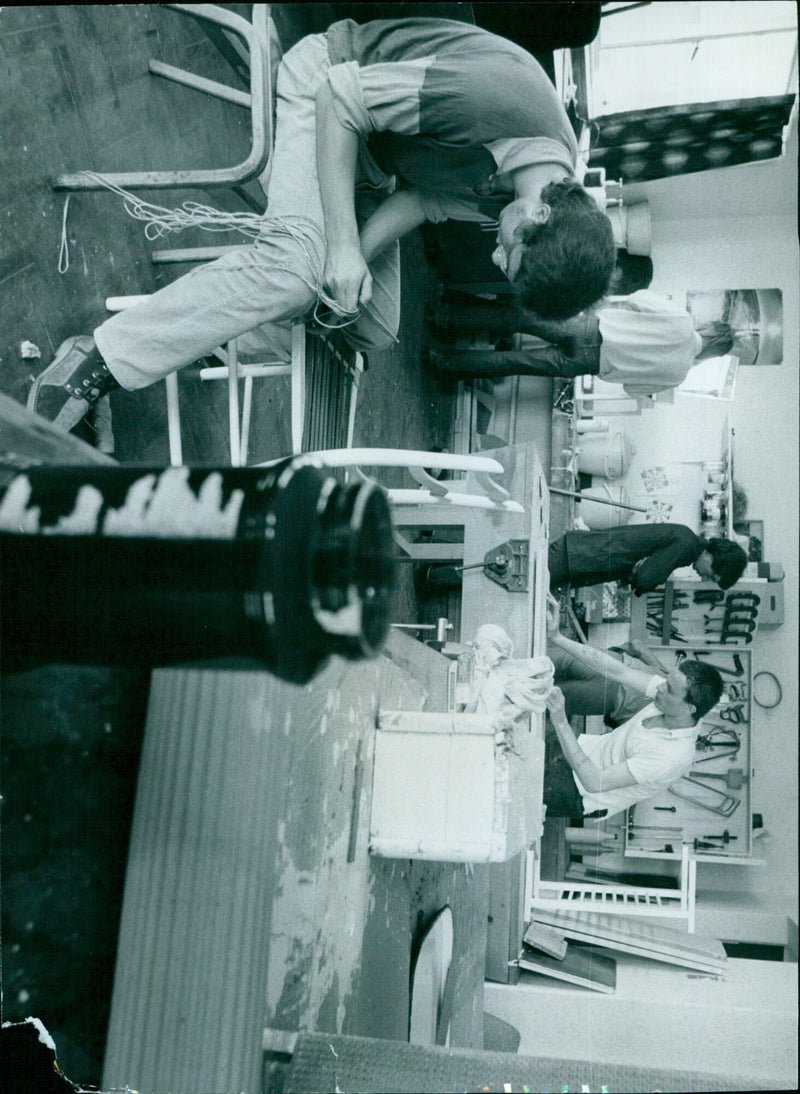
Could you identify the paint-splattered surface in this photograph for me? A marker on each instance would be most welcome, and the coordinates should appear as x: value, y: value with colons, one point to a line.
x: 241, y: 908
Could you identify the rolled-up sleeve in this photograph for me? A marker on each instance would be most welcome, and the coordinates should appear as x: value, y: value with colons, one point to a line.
x: 379, y: 97
x: 511, y: 154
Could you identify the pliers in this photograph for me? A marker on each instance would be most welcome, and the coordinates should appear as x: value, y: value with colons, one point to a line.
x: 733, y: 714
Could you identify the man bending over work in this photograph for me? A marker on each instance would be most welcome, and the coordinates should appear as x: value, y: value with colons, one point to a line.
x: 602, y: 774
x: 643, y: 556
x: 380, y: 127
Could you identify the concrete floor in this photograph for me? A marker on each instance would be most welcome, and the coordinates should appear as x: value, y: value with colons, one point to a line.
x: 71, y: 737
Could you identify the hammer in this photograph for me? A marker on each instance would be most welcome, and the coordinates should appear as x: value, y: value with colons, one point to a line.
x: 734, y: 777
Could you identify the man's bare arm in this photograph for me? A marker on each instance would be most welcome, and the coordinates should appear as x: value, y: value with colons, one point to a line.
x: 604, y: 664
x: 399, y: 214
x: 346, y: 276
x: 593, y: 778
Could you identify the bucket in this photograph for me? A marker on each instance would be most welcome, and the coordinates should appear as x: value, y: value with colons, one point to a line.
x: 631, y: 226
x: 637, y: 234
x: 605, y: 454
x: 599, y: 514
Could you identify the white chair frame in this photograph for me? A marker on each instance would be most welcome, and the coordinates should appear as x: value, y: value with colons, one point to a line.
x: 240, y: 411
x: 436, y: 496
x: 614, y: 899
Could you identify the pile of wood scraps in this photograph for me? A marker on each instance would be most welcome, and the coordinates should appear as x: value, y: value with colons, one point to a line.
x: 576, y: 946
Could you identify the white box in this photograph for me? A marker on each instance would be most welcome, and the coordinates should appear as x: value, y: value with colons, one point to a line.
x: 444, y: 789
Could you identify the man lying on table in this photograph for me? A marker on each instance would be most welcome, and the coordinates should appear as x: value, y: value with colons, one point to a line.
x: 601, y: 774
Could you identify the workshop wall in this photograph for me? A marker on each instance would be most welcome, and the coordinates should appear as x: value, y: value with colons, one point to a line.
x: 734, y: 228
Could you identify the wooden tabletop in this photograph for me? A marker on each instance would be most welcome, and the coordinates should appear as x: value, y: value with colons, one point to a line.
x: 521, y: 615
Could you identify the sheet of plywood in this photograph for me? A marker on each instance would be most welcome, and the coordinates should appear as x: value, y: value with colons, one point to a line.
x: 581, y: 965
x: 631, y: 935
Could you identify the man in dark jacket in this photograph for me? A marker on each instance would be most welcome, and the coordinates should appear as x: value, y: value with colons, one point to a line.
x: 643, y: 556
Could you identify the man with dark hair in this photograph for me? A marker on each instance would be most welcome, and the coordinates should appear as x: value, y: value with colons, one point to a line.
x: 380, y: 127
x: 643, y: 556
x: 643, y: 342
x: 631, y: 273
x: 574, y: 228
x: 602, y: 774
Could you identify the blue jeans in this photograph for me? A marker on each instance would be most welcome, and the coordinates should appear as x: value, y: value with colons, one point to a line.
x: 260, y: 290
x: 589, y: 692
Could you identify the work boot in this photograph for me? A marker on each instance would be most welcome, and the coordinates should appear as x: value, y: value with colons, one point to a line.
x: 72, y: 384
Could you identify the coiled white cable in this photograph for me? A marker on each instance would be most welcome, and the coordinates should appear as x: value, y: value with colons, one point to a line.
x: 159, y: 221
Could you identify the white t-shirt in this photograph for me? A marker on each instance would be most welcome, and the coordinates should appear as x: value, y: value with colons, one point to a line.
x: 656, y: 757
x: 649, y: 343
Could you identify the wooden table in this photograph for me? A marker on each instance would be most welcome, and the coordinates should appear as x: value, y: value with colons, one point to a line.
x: 522, y: 616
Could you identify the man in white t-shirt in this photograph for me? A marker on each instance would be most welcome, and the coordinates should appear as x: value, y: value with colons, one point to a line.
x: 603, y: 774
x: 645, y: 342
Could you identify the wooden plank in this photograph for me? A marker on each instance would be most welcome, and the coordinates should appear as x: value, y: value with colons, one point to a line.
x: 633, y: 936
x: 581, y: 965
x: 547, y: 939
x: 506, y: 918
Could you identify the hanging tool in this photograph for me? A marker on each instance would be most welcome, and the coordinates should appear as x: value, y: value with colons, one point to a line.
x: 717, y: 737
x: 646, y: 827
x: 743, y: 598
x: 721, y: 738
x: 734, y: 777
x: 709, y: 596
x: 680, y: 600
x: 737, y: 634
x: 707, y: 797
x: 725, y: 752
x: 733, y: 714
x: 726, y: 837
x: 739, y: 615
x: 731, y: 625
x: 737, y: 692
x: 738, y: 669
x: 777, y: 692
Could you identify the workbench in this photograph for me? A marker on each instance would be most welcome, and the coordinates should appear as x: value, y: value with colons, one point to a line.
x: 251, y: 898
x: 523, y: 617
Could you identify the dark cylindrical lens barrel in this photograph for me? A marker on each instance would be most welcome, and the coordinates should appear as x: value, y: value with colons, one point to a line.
x: 131, y: 565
